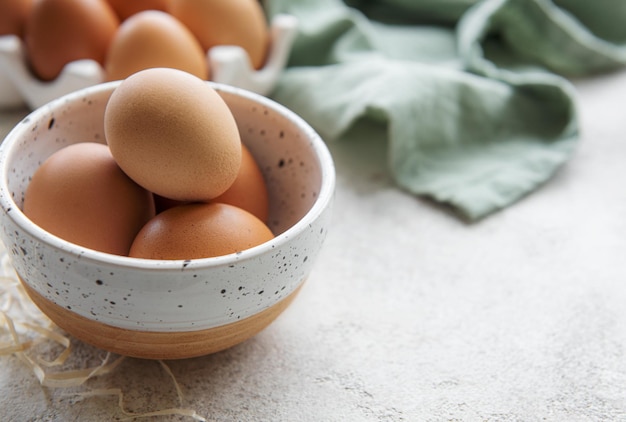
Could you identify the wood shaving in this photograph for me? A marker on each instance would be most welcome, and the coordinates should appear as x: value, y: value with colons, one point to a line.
x: 23, y: 326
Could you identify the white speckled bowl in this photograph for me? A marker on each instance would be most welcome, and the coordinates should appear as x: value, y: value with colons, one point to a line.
x: 170, y: 309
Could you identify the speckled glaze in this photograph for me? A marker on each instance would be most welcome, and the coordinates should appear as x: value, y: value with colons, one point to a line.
x: 171, y: 296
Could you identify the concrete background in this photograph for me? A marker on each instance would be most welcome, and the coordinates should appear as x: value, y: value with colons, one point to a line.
x: 413, y: 315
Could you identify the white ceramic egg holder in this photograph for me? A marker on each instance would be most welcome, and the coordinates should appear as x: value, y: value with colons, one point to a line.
x: 229, y: 65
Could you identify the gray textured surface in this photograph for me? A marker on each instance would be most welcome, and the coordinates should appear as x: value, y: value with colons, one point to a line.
x: 411, y: 315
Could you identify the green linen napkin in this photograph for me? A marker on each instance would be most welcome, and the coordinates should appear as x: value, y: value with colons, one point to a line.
x: 470, y: 95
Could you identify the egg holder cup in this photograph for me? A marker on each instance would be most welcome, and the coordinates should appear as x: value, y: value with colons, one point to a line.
x: 229, y: 65
x: 170, y: 309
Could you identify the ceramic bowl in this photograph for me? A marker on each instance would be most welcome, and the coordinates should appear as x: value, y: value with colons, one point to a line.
x: 169, y: 309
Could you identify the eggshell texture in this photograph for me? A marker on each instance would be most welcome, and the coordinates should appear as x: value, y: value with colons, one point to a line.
x: 226, y: 22
x: 125, y: 8
x: 13, y: 16
x: 81, y: 195
x: 173, y: 134
x: 61, y: 31
x: 249, y: 190
x: 199, y: 231
x: 154, y: 39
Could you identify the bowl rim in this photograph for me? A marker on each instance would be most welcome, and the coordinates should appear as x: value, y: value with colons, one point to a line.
x: 14, y: 212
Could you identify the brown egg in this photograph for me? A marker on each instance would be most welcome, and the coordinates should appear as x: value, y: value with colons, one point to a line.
x: 13, y: 16
x: 154, y: 39
x: 226, y: 22
x: 125, y: 8
x: 199, y: 231
x: 81, y: 195
x: 172, y: 133
x: 248, y: 191
x: 61, y: 31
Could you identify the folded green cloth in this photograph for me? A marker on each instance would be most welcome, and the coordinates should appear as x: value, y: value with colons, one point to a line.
x: 470, y: 95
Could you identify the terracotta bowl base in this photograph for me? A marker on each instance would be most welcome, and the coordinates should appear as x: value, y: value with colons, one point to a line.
x: 158, y: 345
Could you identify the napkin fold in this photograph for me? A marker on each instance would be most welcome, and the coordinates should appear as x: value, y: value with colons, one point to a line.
x: 471, y: 96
